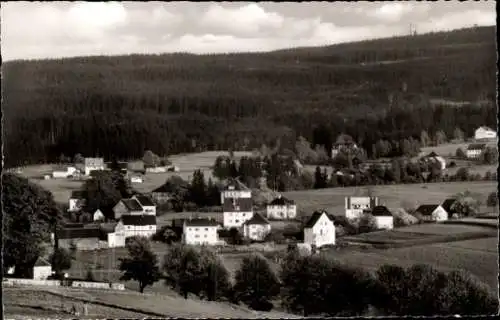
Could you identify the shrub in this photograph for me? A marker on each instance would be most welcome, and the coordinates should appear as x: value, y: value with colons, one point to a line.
x: 367, y: 223
x: 460, y: 153
x: 402, y: 218
x: 60, y: 260
x: 166, y: 235
x: 275, y: 236
x: 89, y: 276
x: 492, y: 200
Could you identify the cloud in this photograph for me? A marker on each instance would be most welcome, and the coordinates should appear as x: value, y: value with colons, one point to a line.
x: 248, y: 19
x: 58, y: 29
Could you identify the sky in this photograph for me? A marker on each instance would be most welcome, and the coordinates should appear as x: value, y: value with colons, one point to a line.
x: 38, y: 30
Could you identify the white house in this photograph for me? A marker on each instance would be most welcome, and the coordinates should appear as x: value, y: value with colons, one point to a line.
x: 200, y: 231
x: 281, y: 208
x: 257, y: 228
x: 127, y: 207
x: 148, y: 206
x: 42, y: 269
x: 129, y: 226
x: 484, y: 133
x: 383, y: 217
x: 136, y: 179
x: 236, y: 204
x: 159, y: 169
x: 93, y: 164
x: 354, y: 206
x: 319, y: 230
x: 475, y: 150
x: 98, y: 216
x: 76, y: 201
x: 432, y: 212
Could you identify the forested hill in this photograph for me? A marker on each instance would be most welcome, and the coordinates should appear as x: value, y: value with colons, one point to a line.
x: 173, y: 103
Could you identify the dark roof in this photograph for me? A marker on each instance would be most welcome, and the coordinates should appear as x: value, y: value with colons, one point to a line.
x: 132, y: 204
x: 201, y: 222
x: 138, y: 220
x: 41, y: 262
x: 257, y: 219
x: 476, y: 146
x: 144, y: 200
x: 78, y: 194
x: 80, y: 233
x: 245, y: 204
x: 381, y: 211
x: 427, y: 209
x: 281, y: 201
x: 314, y: 218
x: 73, y: 225
x: 432, y: 154
x: 447, y: 205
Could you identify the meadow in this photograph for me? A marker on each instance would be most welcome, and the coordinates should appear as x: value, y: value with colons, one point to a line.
x: 392, y: 196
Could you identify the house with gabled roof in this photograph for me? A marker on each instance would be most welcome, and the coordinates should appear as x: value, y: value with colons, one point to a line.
x: 130, y: 226
x: 383, y: 217
x: 432, y: 212
x: 319, y: 230
x: 93, y: 164
x: 127, y: 207
x: 447, y: 205
x: 237, y: 204
x: 81, y: 237
x: 257, y: 228
x: 147, y: 204
x: 198, y: 231
x: 42, y: 269
x: 281, y: 208
x: 355, y: 206
x: 484, y: 133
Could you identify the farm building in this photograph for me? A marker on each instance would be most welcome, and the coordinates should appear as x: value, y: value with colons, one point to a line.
x: 161, y: 194
x: 129, y: 226
x: 474, y: 150
x: 199, y: 231
x: 319, y: 230
x: 482, y: 133
x: 354, y: 206
x: 383, y: 217
x: 76, y: 201
x: 432, y: 212
x: 93, y: 164
x: 146, y: 203
x: 281, y: 208
x: 83, y: 238
x: 98, y: 215
x: 257, y: 228
x: 236, y: 204
x: 41, y: 270
x: 447, y: 205
x: 127, y: 207
x: 64, y: 172
x: 136, y: 179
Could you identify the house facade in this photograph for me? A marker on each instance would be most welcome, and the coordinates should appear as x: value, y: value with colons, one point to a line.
x: 383, y: 218
x: 475, y: 150
x: 98, y: 215
x: 127, y: 207
x: 432, y: 212
x: 484, y: 133
x: 130, y: 226
x: 319, y: 230
x: 81, y: 238
x: 93, y: 164
x: 281, y: 208
x: 76, y: 201
x: 200, y: 231
x: 257, y: 228
x: 42, y: 269
x: 136, y: 179
x: 161, y: 194
x: 448, y: 206
x: 147, y: 204
x: 237, y: 205
x: 355, y: 206
x: 159, y: 169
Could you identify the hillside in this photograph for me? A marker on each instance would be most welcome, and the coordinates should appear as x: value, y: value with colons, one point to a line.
x: 174, y: 103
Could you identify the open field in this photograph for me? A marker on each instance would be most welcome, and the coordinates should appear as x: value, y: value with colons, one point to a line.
x: 145, y: 304
x: 333, y: 199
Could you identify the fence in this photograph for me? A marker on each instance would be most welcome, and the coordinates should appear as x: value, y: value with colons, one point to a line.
x: 57, y: 283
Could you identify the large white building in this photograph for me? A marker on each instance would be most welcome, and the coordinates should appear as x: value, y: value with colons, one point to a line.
x: 319, y: 230
x: 200, y: 231
x: 484, y: 133
x: 383, y: 217
x: 237, y: 205
x: 355, y: 206
x: 475, y: 150
x: 281, y: 208
x: 127, y: 207
x: 129, y: 226
x: 257, y: 228
x: 93, y: 164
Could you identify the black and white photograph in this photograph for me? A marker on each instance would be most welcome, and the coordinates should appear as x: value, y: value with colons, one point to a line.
x: 273, y: 160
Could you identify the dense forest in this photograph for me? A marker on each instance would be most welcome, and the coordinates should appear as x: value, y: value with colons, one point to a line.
x: 170, y: 103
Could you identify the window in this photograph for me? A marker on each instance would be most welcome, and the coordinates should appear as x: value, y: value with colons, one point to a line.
x: 197, y: 236
x: 237, y: 221
x: 196, y: 229
x: 206, y: 229
x: 150, y: 227
x: 205, y: 236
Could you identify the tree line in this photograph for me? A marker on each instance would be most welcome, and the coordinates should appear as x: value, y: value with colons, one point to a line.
x: 310, y: 285
x: 121, y: 106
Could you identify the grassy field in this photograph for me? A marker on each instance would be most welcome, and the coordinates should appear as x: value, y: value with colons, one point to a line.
x: 333, y: 199
x: 169, y: 306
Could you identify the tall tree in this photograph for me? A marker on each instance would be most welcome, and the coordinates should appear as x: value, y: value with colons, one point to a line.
x: 141, y: 264
x: 198, y: 189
